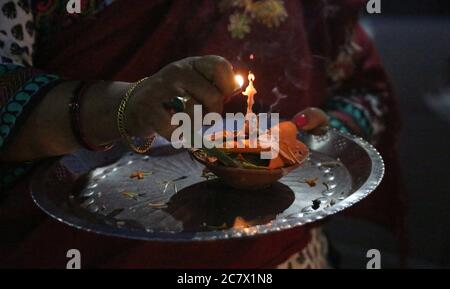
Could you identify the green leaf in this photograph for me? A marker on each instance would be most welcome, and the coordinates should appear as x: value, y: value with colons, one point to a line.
x: 215, y: 152
x: 222, y: 157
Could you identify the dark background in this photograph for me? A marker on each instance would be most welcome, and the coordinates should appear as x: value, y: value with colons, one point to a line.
x: 413, y: 38
x: 416, y: 7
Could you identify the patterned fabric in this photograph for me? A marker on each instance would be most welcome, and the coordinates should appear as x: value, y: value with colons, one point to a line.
x: 12, y: 172
x: 270, y: 13
x: 10, y: 113
x: 16, y: 32
x: 313, y: 256
x: 339, y: 124
x: 11, y: 78
x: 24, y: 87
x: 24, y: 26
x: 360, y: 108
x: 364, y: 109
x: 344, y: 65
x: 17, y: 39
x: 26, y: 23
x: 51, y: 16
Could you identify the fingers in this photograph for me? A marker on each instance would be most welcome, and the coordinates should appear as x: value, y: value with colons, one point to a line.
x: 190, y: 103
x: 199, y: 88
x: 206, y: 80
x: 189, y: 109
x: 148, y: 113
x: 311, y: 118
x: 217, y: 70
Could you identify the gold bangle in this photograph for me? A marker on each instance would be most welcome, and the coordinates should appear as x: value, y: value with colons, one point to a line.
x: 141, y: 149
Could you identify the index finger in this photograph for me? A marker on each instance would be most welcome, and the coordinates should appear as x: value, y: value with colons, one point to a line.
x: 219, y: 71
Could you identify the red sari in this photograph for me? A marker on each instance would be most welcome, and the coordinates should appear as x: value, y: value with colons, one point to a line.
x: 132, y: 39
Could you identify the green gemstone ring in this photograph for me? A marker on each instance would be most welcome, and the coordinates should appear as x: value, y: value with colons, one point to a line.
x: 178, y: 103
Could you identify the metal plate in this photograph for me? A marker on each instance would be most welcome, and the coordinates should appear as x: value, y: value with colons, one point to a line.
x: 175, y: 202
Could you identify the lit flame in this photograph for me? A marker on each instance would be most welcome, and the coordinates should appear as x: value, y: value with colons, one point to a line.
x: 239, y: 80
x: 250, y: 92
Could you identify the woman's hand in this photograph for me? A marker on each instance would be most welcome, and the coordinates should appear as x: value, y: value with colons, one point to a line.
x: 207, y: 80
x: 313, y: 120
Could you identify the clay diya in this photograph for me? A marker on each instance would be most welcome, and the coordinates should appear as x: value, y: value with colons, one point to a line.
x: 242, y: 168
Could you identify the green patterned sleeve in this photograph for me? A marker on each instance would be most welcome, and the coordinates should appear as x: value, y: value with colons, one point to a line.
x: 21, y: 89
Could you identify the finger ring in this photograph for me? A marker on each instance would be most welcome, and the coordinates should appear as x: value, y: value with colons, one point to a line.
x: 178, y: 103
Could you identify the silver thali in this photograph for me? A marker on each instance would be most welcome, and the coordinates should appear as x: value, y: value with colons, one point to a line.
x: 175, y: 200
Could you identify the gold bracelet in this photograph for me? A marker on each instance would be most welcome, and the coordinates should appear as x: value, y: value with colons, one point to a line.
x: 121, y: 122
